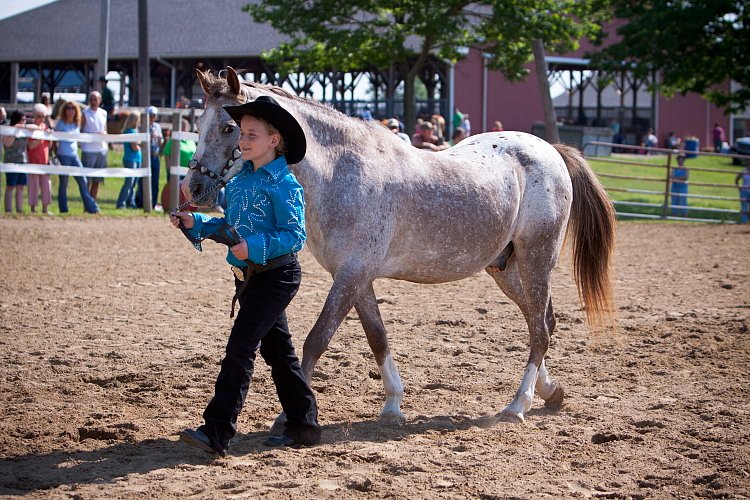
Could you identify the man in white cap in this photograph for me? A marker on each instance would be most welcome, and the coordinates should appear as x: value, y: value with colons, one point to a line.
x: 395, y: 126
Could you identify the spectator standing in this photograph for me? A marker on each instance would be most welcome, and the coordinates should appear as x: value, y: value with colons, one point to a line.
x: 69, y: 120
x: 131, y: 158
x: 497, y: 126
x: 94, y: 154
x: 157, y: 141
x: 673, y: 142
x: 187, y: 150
x: 743, y: 183
x: 3, y: 121
x: 38, y: 154
x: 679, y: 187
x: 425, y: 139
x: 466, y: 125
x: 395, y: 126
x: 458, y: 136
x: 458, y: 118
x: 15, y: 152
x: 438, y: 128
x: 366, y: 114
x: 3, y: 116
x: 45, y: 100
x: 651, y: 139
x: 719, y: 137
x: 108, y: 98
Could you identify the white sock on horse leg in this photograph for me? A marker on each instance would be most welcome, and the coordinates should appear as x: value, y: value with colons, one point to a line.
x: 545, y: 386
x: 394, y: 388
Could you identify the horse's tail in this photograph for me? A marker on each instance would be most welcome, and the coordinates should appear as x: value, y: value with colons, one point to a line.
x: 592, y: 227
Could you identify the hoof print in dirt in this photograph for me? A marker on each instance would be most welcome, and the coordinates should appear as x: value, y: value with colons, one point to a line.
x: 115, y: 432
x: 607, y: 437
x: 359, y: 483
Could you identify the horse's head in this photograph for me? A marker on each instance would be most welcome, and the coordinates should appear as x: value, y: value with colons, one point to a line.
x: 217, y: 157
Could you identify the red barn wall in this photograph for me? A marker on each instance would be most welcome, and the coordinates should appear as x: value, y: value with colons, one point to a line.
x: 518, y: 105
x: 689, y: 115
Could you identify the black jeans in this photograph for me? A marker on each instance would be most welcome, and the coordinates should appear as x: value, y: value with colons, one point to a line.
x: 262, y: 320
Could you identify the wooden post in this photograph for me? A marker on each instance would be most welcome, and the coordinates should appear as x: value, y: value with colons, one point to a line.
x: 144, y: 68
x: 174, y: 156
x: 146, y: 163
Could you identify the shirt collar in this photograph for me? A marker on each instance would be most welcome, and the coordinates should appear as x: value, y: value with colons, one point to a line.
x: 275, y: 169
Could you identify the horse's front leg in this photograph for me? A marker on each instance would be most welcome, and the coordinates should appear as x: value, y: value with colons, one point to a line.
x: 372, y: 322
x: 347, y: 287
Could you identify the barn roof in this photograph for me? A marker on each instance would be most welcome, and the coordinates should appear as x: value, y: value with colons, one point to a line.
x: 68, y: 30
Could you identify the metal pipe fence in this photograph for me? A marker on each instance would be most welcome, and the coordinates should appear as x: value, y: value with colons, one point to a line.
x: 714, y: 198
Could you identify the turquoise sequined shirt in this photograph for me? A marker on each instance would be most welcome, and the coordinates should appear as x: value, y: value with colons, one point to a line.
x: 266, y: 207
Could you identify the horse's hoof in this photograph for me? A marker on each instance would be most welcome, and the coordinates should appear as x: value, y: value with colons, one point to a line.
x: 555, y: 401
x: 279, y: 425
x: 392, y: 419
x: 510, y: 417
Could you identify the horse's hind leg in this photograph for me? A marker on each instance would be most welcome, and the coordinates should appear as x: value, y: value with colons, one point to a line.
x: 369, y: 315
x: 541, y: 322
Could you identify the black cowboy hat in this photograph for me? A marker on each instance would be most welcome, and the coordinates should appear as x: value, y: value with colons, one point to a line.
x: 267, y: 108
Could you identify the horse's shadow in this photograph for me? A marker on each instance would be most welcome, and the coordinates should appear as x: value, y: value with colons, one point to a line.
x: 25, y: 474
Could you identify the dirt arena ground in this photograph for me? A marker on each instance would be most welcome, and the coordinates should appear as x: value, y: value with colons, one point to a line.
x: 111, y: 331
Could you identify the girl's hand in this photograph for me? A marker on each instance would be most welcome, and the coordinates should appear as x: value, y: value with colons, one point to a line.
x: 185, y: 217
x: 240, y: 250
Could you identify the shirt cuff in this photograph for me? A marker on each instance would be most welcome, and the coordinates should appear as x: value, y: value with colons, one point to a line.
x: 196, y: 230
x: 256, y: 249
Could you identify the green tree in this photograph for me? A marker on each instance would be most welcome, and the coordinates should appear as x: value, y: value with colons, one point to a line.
x: 357, y: 34
x: 694, y: 45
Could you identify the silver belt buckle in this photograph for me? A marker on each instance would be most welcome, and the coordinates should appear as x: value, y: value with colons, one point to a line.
x: 238, y: 273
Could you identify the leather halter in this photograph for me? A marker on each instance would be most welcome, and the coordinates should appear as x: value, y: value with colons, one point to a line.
x: 201, y: 168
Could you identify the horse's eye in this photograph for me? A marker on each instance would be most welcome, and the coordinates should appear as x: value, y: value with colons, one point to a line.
x: 229, y: 129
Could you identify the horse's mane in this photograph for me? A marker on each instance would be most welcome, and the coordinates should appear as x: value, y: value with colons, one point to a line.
x: 218, y: 87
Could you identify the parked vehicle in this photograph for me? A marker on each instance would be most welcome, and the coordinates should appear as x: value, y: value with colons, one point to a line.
x: 740, y: 147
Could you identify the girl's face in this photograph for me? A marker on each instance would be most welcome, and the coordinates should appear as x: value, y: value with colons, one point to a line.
x: 256, y: 143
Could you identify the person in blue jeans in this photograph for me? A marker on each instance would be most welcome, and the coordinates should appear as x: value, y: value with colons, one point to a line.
x: 157, y: 141
x: 15, y: 152
x: 679, y: 187
x: 69, y: 120
x: 265, y: 217
x: 131, y: 158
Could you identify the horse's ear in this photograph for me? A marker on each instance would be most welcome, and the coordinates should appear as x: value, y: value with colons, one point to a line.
x: 202, y: 78
x: 233, y: 80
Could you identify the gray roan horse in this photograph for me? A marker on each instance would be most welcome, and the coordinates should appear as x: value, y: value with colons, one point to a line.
x: 376, y: 207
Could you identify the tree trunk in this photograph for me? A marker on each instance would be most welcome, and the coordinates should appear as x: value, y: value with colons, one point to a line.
x: 550, y: 119
x: 410, y: 104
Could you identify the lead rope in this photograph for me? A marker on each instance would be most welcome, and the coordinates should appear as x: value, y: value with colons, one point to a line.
x: 220, y: 183
x: 217, y: 185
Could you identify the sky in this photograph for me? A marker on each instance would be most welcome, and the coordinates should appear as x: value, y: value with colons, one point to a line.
x: 10, y: 8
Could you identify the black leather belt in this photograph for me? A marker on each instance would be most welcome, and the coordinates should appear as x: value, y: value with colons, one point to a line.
x: 243, y: 273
